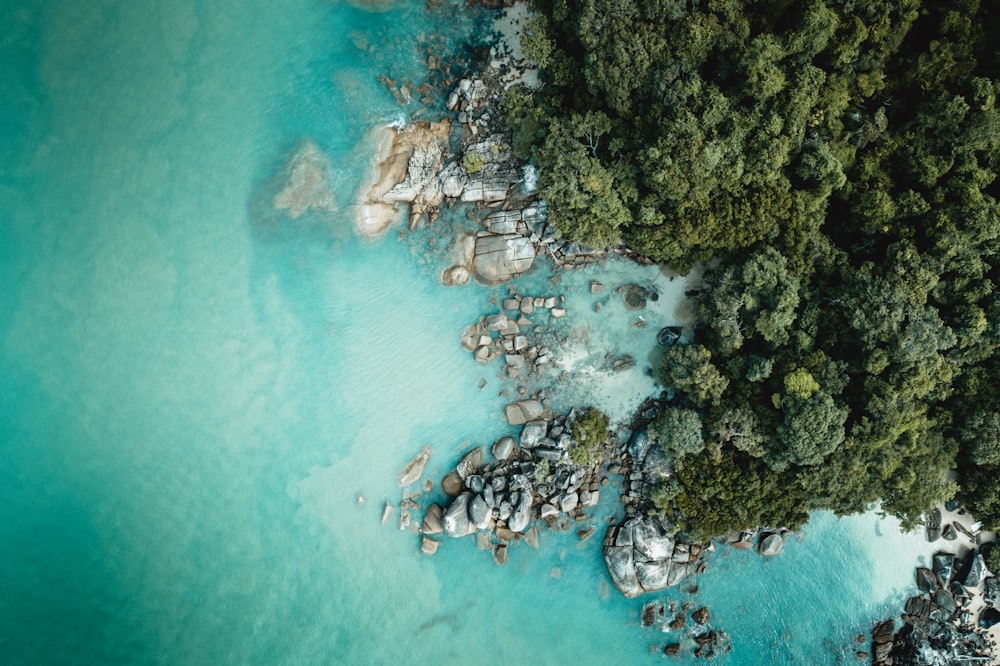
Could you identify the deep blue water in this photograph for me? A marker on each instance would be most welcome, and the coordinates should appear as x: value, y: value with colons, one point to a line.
x: 195, y: 389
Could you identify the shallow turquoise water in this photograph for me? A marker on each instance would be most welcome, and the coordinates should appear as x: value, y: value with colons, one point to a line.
x: 193, y: 390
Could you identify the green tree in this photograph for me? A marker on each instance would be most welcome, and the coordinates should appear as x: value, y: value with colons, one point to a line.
x: 677, y: 431
x: 688, y: 369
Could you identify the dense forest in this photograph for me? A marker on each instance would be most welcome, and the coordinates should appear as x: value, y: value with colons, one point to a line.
x: 838, y: 160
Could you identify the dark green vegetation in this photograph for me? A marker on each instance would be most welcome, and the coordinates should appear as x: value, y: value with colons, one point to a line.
x: 841, y: 159
x: 590, y: 432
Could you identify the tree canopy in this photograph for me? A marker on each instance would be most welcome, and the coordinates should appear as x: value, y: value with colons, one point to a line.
x: 840, y: 160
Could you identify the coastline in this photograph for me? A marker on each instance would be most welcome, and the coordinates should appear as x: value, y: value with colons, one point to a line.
x: 389, y: 175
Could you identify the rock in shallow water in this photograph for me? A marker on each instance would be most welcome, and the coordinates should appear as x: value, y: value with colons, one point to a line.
x: 771, y: 545
x: 456, y: 519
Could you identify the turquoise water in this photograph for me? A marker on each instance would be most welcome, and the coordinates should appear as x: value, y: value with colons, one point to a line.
x: 194, y: 390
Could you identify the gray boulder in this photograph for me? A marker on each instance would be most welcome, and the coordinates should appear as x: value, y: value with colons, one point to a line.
x: 501, y: 257
x: 976, y: 572
x: 503, y: 448
x: 770, y: 545
x: 456, y: 519
x: 479, y: 512
x: 621, y: 566
x: 520, y: 517
x: 522, y: 411
x: 653, y: 575
x: 432, y: 520
x: 532, y: 433
x: 650, y: 542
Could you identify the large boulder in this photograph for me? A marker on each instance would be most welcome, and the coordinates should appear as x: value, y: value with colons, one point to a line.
x: 976, y: 572
x: 456, y: 519
x: 943, y: 563
x: 989, y: 618
x: 532, y: 433
x: 650, y: 542
x: 503, y: 448
x: 480, y: 512
x: 501, y: 257
x: 770, y: 545
x: 621, y: 566
x: 522, y: 411
x: 653, y: 575
x: 520, y: 517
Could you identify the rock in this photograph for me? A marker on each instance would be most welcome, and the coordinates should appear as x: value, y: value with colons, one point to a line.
x: 500, y: 554
x: 413, y: 471
x: 495, y: 322
x: 621, y: 566
x: 596, y: 287
x: 432, y: 520
x: 482, y: 354
x: 504, y: 510
x: 585, y: 533
x: 452, y: 484
x: 475, y: 483
x: 470, y: 338
x: 650, y: 542
x: 456, y: 519
x: 672, y: 650
x: 679, y: 621
x: 527, y: 306
x: 653, y: 575
x: 701, y: 615
x: 429, y: 546
x: 503, y: 448
x: 942, y: 565
x: 479, y: 512
x: 649, y: 613
x: 532, y: 433
x: 569, y: 502
x: 989, y: 618
x: 926, y: 580
x: 770, y: 545
x: 470, y: 463
x: 499, y: 258
x: 589, y: 498
x: 521, y: 515
x: 531, y: 537
x: 949, y: 533
x: 558, y: 312
x: 932, y: 525
x: 455, y: 276
x: 548, y: 511
x: 976, y: 572
x: 387, y: 512
x: 519, y: 413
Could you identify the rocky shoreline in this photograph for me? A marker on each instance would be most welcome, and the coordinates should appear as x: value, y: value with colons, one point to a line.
x: 955, y: 617
x: 503, y: 496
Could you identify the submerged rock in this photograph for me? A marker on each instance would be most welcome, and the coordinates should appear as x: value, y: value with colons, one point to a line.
x: 415, y: 468
x: 310, y: 183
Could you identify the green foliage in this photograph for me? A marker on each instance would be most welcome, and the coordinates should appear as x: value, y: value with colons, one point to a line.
x: 677, y: 431
x: 590, y: 432
x: 663, y: 493
x: 689, y: 369
x: 841, y: 159
x: 472, y: 161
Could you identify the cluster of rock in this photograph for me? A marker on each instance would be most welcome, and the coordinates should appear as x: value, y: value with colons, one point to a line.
x: 642, y: 556
x: 531, y: 478
x: 941, y: 624
x: 769, y: 542
x: 499, y: 335
x: 708, y: 642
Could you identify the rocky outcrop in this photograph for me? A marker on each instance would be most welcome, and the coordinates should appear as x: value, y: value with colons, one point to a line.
x: 643, y: 557
x: 770, y: 545
x: 404, y: 171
